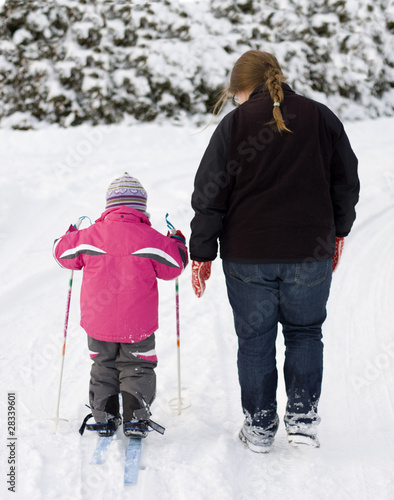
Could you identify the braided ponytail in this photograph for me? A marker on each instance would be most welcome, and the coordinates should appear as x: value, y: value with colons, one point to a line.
x: 252, y: 70
x: 274, y: 87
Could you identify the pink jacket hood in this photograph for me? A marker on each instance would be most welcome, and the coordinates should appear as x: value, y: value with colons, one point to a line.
x: 122, y: 256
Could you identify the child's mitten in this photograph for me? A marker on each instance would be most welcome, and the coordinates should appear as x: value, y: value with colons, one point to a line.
x: 178, y: 235
x: 71, y: 229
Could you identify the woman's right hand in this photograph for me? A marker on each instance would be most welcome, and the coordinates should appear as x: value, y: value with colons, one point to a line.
x: 201, y: 271
x: 339, y: 242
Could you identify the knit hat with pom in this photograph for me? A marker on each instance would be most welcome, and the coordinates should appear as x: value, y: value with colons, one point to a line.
x: 127, y: 191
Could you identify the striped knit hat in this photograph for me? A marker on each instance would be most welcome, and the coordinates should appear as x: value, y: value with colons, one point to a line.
x: 127, y: 191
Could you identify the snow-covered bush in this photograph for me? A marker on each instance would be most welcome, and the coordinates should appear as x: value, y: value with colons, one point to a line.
x: 99, y: 61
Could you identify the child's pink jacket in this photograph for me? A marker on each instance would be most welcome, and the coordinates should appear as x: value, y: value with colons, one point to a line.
x: 122, y: 255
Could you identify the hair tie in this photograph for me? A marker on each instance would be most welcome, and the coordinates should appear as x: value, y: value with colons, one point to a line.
x: 276, y: 103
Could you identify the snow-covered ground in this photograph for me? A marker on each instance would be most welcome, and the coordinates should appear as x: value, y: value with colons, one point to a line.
x: 48, y: 179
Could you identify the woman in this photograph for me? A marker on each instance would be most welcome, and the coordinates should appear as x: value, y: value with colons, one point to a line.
x: 277, y: 186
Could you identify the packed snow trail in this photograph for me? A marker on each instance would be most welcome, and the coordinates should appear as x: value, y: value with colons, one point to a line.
x: 51, y: 177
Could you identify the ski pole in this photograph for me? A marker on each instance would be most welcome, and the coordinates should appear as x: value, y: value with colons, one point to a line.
x: 181, y: 405
x: 56, y: 418
x: 178, y: 403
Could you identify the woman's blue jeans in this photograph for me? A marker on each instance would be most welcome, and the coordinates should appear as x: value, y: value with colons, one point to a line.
x: 295, y: 295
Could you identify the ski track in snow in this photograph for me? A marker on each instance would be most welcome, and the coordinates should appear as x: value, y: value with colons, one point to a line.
x: 51, y: 177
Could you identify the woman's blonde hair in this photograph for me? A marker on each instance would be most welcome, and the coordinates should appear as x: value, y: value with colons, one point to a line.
x: 256, y: 69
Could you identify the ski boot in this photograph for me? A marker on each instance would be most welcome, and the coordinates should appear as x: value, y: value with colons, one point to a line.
x: 136, y: 428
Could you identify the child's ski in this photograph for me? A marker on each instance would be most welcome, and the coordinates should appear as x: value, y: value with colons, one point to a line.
x: 98, y: 457
x: 132, y: 461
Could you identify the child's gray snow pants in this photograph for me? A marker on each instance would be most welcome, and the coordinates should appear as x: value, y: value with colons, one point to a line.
x: 119, y: 367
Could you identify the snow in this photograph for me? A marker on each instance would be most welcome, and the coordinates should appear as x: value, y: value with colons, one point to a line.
x: 20, y: 36
x: 37, y: 20
x: 341, y: 52
x: 49, y: 178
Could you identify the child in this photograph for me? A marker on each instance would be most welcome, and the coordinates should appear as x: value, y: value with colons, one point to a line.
x: 122, y: 256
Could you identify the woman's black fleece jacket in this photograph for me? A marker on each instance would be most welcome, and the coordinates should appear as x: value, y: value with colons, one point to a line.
x: 274, y: 197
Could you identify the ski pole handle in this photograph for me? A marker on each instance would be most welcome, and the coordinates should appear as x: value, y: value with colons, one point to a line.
x: 82, y: 218
x: 170, y: 226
